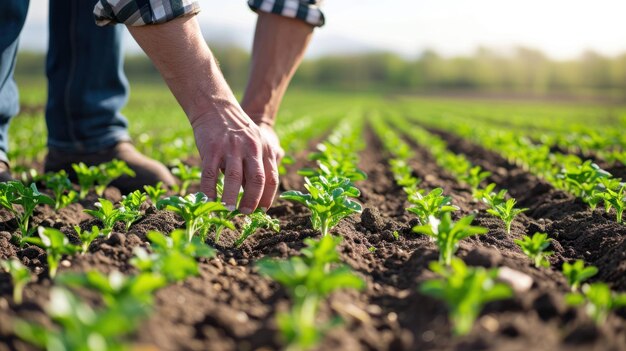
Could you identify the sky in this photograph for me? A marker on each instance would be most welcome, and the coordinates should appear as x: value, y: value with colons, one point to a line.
x: 561, y: 28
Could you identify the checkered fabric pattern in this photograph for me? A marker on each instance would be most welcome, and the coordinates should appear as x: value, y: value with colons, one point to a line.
x: 143, y: 12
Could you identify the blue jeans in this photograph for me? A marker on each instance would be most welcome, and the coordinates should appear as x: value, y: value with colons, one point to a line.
x: 87, y: 87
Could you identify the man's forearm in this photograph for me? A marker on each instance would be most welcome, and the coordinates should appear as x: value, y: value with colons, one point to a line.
x: 279, y: 46
x: 181, y: 55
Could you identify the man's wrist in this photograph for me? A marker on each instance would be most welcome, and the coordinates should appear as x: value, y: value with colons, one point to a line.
x: 262, y: 120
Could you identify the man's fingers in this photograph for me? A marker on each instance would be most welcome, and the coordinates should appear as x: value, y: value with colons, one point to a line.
x: 255, y: 182
x: 208, y: 180
x: 233, y: 177
x: 271, y: 182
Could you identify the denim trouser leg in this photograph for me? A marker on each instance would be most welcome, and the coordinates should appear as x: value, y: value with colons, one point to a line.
x: 12, y: 17
x: 87, y: 87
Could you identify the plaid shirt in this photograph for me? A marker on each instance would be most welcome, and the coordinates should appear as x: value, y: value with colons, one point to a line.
x: 142, y: 12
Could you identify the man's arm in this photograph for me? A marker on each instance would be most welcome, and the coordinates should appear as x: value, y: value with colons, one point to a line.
x: 279, y: 45
x: 226, y: 137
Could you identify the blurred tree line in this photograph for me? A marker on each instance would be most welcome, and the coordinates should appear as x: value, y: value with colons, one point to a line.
x: 521, y: 71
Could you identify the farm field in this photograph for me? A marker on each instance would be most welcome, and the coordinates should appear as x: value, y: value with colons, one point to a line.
x: 451, y: 225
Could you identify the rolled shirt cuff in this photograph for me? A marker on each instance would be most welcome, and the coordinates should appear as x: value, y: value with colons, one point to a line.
x: 142, y: 12
x: 308, y: 11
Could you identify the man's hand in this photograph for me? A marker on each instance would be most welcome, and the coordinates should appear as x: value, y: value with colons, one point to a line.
x: 268, y: 133
x: 230, y: 142
x: 226, y: 137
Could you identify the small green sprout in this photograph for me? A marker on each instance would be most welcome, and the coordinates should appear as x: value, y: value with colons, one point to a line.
x: 447, y: 234
x: 131, y: 205
x: 87, y: 176
x: 187, y: 175
x: 99, y: 177
x: 155, y: 193
x: 56, y: 245
x: 582, y: 180
x: 117, y: 289
x: 195, y: 209
x: 173, y: 256
x: 490, y: 197
x: 577, y: 273
x: 598, y: 299
x: 334, y: 159
x: 107, y: 213
x: 615, y: 199
x: 329, y: 200
x: 506, y: 212
x: 15, y: 193
x: 396, y: 234
x: 86, y: 237
x: 62, y: 189
x: 534, y: 247
x: 465, y: 290
x: 474, y: 177
x: 432, y: 205
x: 20, y: 276
x: 80, y: 327
x: 254, y: 221
x: 309, y: 279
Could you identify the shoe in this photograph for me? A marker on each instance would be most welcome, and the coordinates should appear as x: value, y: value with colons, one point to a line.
x: 147, y: 170
x: 5, y: 172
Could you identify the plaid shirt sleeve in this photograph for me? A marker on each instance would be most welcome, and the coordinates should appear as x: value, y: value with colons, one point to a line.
x: 306, y: 10
x: 142, y: 12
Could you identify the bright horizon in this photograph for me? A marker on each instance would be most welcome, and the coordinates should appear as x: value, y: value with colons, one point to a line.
x: 563, y: 29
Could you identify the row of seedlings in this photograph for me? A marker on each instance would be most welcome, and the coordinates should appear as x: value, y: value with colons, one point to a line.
x: 597, y: 297
x: 312, y: 276
x: 582, y: 178
x: 464, y: 289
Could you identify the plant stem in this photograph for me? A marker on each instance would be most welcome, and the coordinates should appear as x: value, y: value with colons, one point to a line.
x: 18, y: 291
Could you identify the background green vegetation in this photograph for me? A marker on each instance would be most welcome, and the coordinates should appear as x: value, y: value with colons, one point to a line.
x: 523, y: 72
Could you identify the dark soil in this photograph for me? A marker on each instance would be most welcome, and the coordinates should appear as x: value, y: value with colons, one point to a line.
x: 229, y: 306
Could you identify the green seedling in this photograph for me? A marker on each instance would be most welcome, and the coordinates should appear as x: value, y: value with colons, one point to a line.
x: 447, y: 234
x: 173, y: 256
x: 87, y: 176
x: 80, y: 327
x: 598, y: 299
x: 615, y: 199
x: 329, y: 200
x: 117, y: 289
x: 465, y: 290
x: 99, y: 177
x: 309, y: 279
x: 86, y: 237
x: 403, y: 174
x: 15, y: 193
x: 187, y: 175
x: 577, y: 273
x: 432, y: 205
x: 61, y: 186
x: 195, y: 209
x: 506, y: 212
x: 534, y: 247
x: 155, y: 193
x: 583, y: 180
x: 56, y: 245
x: 107, y: 213
x: 473, y: 177
x: 20, y: 276
x: 131, y: 205
x: 334, y: 159
x: 490, y: 197
x: 109, y: 172
x: 254, y: 221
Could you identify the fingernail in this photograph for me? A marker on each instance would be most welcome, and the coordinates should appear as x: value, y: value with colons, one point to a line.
x: 264, y: 209
x: 245, y: 210
x: 231, y: 208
